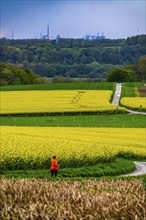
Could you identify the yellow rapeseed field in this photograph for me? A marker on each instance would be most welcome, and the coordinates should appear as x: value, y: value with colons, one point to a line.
x: 55, y: 101
x: 35, y: 145
x: 134, y: 102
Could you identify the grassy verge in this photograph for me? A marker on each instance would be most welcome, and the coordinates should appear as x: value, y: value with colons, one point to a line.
x: 116, y: 167
x: 130, y: 89
x: 104, y: 120
x: 61, y: 86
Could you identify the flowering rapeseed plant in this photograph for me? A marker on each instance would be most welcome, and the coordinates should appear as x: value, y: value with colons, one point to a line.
x: 32, y: 147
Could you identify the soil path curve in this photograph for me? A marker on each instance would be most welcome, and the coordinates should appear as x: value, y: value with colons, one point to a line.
x: 140, y: 169
x: 140, y: 166
x: 135, y: 112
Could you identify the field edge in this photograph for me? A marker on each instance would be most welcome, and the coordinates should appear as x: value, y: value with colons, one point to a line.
x: 115, y: 167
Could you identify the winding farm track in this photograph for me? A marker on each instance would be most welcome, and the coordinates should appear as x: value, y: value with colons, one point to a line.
x: 140, y: 169
x: 140, y: 166
x: 135, y: 112
x: 117, y: 94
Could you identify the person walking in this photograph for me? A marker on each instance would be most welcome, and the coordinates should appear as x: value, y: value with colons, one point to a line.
x: 54, y: 166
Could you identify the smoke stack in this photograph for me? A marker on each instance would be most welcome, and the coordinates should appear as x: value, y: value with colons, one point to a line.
x: 12, y: 35
x: 48, y: 32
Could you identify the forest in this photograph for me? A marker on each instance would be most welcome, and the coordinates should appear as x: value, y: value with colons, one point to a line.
x: 73, y: 58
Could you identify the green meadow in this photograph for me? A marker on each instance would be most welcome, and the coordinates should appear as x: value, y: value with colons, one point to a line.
x: 100, y: 120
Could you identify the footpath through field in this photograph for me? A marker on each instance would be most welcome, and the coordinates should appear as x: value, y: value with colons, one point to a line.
x: 117, y: 94
x: 140, y: 169
x: 140, y: 166
x: 117, y: 98
x: 135, y: 112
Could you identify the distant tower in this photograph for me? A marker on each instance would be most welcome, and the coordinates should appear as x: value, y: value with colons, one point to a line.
x: 48, y: 32
x: 12, y: 35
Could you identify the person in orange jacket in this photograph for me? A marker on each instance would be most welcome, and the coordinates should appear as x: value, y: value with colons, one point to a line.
x: 54, y: 166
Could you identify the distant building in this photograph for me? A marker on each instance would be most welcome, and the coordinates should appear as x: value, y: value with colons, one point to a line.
x: 46, y: 36
x: 94, y: 37
x: 58, y: 37
x: 87, y: 37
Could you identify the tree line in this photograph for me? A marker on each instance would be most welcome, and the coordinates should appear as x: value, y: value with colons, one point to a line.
x: 73, y: 58
x: 129, y: 73
x: 11, y: 74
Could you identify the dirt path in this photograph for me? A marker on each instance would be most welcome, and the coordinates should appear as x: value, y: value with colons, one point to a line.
x: 135, y: 112
x: 116, y: 99
x: 117, y: 94
x: 140, y: 169
x: 140, y: 166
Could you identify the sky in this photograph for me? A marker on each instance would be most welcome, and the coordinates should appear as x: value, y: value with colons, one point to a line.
x: 72, y: 18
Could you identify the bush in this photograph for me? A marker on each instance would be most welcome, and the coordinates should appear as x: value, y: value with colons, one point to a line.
x: 121, y: 75
x: 41, y: 80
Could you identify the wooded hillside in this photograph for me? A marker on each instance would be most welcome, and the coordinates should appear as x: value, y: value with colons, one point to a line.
x: 73, y: 57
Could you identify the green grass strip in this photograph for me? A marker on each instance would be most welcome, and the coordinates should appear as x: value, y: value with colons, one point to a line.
x: 104, y: 120
x: 130, y: 89
x: 116, y: 167
x: 62, y: 86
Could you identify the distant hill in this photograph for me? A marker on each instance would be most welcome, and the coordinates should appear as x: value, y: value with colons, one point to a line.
x: 76, y: 58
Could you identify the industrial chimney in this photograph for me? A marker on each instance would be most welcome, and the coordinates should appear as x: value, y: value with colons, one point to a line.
x: 12, y: 35
x: 48, y: 32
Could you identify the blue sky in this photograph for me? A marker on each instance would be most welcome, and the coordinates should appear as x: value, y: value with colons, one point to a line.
x: 72, y: 18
